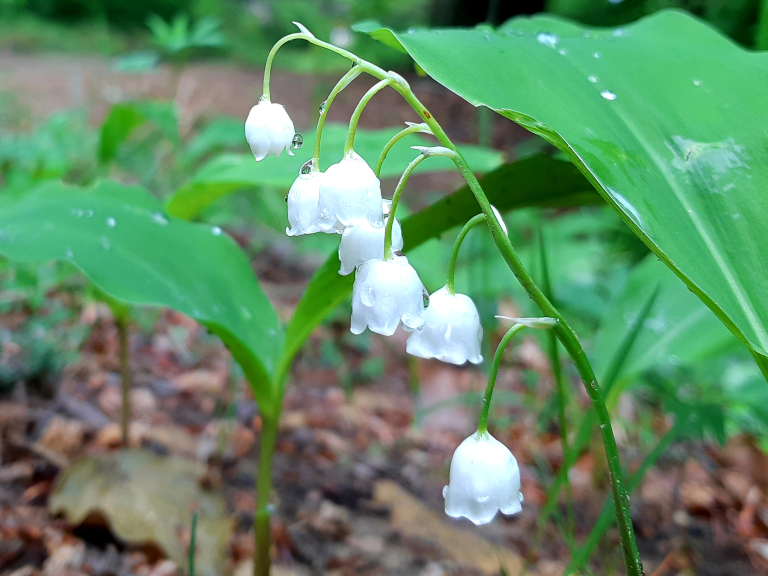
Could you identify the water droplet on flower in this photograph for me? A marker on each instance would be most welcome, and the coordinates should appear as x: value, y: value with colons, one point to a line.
x: 596, y: 55
x: 592, y: 78
x: 608, y: 95
x: 547, y: 39
x: 263, y: 98
x: 111, y: 222
x: 697, y: 82
x: 445, y: 491
x: 483, y: 498
x: 307, y: 167
x: 425, y: 297
x: 160, y: 218
x: 216, y: 231
x: 286, y: 198
x: 522, y: 498
x: 297, y: 142
x: 366, y: 296
x: 321, y: 109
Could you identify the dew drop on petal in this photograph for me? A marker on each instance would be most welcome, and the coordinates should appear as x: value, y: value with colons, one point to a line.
x: 307, y: 167
x: 111, y: 222
x: 366, y: 296
x: 592, y: 78
x: 297, y: 142
x: 425, y: 297
x: 608, y: 95
x: 216, y: 231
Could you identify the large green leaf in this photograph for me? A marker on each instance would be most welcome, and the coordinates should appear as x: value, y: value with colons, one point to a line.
x: 120, y: 238
x: 668, y: 120
x: 231, y: 172
x: 536, y: 181
x: 124, y: 119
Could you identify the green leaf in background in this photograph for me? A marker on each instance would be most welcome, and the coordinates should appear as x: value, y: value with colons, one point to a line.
x: 124, y: 119
x: 121, y: 240
x: 536, y: 181
x: 679, y: 329
x: 666, y: 118
x: 231, y: 172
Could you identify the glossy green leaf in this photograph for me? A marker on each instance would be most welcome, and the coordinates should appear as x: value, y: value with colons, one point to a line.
x: 120, y: 238
x: 536, y: 181
x: 231, y: 172
x: 667, y: 118
x: 124, y: 119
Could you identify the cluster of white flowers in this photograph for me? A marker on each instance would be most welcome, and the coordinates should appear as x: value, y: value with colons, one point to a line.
x: 346, y: 199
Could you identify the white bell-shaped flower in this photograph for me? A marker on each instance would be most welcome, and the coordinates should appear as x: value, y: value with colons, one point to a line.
x: 269, y: 130
x: 451, y: 330
x: 362, y: 241
x: 303, y: 209
x: 385, y: 293
x: 484, y: 479
x: 350, y: 191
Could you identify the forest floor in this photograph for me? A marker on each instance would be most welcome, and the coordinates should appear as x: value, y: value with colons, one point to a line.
x: 358, y: 471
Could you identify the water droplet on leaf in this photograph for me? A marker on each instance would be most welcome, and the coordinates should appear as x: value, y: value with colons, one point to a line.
x: 608, y: 95
x: 697, y: 82
x: 111, y: 222
x: 160, y: 218
x: 216, y: 231
x: 592, y: 78
x: 321, y: 109
x: 596, y: 55
x: 547, y: 39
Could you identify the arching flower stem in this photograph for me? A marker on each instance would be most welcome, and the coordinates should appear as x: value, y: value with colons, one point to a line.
x: 396, y: 199
x: 411, y: 129
x: 564, y: 332
x: 353, y: 73
x: 376, y: 88
x: 482, y: 423
x: 471, y: 223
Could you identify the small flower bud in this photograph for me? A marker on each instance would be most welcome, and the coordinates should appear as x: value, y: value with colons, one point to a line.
x: 451, y: 330
x: 350, y: 191
x: 484, y: 479
x: 361, y: 242
x: 303, y: 210
x: 385, y: 293
x: 269, y: 130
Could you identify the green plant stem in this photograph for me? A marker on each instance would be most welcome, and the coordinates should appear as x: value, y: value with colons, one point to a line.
x: 395, y: 200
x: 563, y: 330
x: 353, y: 73
x: 126, y: 380
x: 471, y: 223
x: 412, y: 129
x: 561, y: 389
x: 583, y: 554
x: 482, y: 422
x: 262, y: 529
x: 192, y: 544
x: 375, y: 89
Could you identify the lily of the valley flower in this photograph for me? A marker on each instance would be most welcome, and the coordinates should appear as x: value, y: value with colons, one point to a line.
x: 350, y: 191
x: 303, y: 209
x: 485, y: 479
x: 385, y: 293
x: 361, y: 241
x: 451, y: 330
x: 269, y: 130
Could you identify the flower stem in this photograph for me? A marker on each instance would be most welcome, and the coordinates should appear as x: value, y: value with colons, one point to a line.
x: 471, y: 223
x: 262, y: 529
x: 126, y: 380
x: 411, y: 129
x: 395, y: 200
x: 359, y: 110
x: 482, y: 422
x: 353, y: 73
